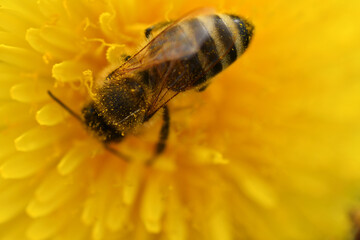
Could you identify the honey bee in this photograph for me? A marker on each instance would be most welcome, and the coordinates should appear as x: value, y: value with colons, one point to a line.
x: 184, y: 55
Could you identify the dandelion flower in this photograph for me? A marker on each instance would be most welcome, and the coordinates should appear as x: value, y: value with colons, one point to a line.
x: 268, y: 151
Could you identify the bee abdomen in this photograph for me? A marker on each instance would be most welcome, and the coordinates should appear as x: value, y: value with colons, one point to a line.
x: 243, y: 31
x: 231, y: 36
x: 222, y: 39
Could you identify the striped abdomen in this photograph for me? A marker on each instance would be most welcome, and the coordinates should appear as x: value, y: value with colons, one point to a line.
x: 220, y: 40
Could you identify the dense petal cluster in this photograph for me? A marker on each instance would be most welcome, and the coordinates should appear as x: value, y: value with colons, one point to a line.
x: 269, y: 151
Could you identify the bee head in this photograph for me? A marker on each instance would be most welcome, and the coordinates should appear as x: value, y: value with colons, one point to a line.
x: 97, y: 124
x: 122, y: 103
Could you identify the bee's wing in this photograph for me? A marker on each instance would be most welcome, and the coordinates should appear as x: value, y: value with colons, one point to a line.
x: 162, y: 94
x: 170, y: 44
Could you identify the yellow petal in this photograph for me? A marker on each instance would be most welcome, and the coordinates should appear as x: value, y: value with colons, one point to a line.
x: 13, y: 208
x: 30, y: 92
x: 12, y: 40
x: 9, y: 73
x: 7, y: 141
x: 132, y: 181
x: 98, y: 231
x: 89, y: 212
x: 219, y: 225
x: 19, y: 57
x: 13, y: 199
x: 175, y: 224
x: 114, y: 54
x: 51, y: 114
x: 18, y: 21
x: 75, y: 230
x: 255, y: 188
x: 93, y: 212
x: 5, y: 90
x: 45, y: 227
x: 38, y: 137
x: 37, y: 208
x: 75, y: 157
x: 52, y: 40
x: 52, y: 186
x: 69, y: 71
x: 14, y: 112
x: 7, y: 148
x: 23, y: 165
x: 105, y: 20
x: 152, y: 205
x: 118, y: 214
x: 203, y: 155
x: 15, y: 229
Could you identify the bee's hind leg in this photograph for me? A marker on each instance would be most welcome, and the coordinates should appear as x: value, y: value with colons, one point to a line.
x: 164, y: 134
x: 156, y: 27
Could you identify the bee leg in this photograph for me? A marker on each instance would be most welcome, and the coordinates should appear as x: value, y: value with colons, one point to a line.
x: 164, y: 133
x: 155, y: 27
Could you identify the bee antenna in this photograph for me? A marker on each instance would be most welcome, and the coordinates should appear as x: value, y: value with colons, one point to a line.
x: 64, y: 106
x: 117, y: 153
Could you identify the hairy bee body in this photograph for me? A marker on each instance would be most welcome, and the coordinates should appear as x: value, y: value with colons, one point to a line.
x: 184, y: 56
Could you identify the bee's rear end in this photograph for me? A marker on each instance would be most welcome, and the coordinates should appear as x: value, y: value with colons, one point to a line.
x: 222, y: 38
